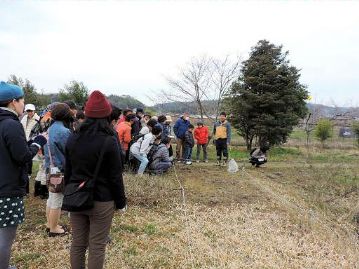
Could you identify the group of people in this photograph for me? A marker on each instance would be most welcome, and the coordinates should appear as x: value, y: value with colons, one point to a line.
x: 74, y: 145
x: 72, y: 149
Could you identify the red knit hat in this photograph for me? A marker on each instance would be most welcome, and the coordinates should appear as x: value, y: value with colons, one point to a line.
x: 97, y: 106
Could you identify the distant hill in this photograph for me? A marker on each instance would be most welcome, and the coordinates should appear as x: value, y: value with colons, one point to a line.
x: 125, y: 101
x: 328, y: 111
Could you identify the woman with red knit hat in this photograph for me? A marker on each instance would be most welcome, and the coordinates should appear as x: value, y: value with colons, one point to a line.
x: 93, y: 153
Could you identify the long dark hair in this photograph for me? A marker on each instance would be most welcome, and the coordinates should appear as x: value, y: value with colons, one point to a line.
x: 94, y: 126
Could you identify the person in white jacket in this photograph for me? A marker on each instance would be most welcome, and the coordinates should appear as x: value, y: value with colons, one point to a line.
x: 29, y: 120
x: 143, y: 145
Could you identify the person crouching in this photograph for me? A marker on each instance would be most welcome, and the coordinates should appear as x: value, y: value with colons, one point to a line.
x: 143, y: 145
x: 161, y: 159
x: 259, y: 156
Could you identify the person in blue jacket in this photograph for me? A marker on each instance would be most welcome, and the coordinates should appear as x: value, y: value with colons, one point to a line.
x: 180, y: 128
x: 15, y: 153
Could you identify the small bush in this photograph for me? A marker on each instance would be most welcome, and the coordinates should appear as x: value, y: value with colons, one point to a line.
x: 324, y: 130
x: 355, y: 128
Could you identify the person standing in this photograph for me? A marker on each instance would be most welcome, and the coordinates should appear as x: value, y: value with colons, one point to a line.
x: 58, y: 132
x: 28, y: 122
x: 124, y: 134
x: 180, y: 128
x: 14, y: 155
x: 201, y: 136
x: 222, y: 136
x: 188, y: 145
x: 96, y: 137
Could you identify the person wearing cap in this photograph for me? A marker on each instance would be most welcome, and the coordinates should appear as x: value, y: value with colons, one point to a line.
x: 29, y: 120
x: 143, y: 145
x: 201, y: 136
x: 15, y: 153
x: 148, y: 127
x: 58, y: 134
x: 90, y: 228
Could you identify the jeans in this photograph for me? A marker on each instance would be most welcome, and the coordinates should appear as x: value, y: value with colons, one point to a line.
x: 7, y: 237
x: 187, y: 153
x: 222, y: 148
x: 90, y: 229
x: 204, y: 147
x: 144, y: 161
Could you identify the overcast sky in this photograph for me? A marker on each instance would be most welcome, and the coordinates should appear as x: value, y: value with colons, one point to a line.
x: 129, y: 47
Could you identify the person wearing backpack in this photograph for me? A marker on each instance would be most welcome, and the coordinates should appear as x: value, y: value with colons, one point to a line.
x: 160, y: 161
x: 93, y: 154
x: 58, y: 133
x: 201, y: 136
x: 15, y: 153
x: 142, y: 146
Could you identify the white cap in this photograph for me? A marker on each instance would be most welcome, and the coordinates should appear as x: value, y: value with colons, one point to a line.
x: 30, y: 107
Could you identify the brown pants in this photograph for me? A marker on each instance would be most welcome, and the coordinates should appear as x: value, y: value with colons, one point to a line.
x: 179, y: 149
x: 90, y: 228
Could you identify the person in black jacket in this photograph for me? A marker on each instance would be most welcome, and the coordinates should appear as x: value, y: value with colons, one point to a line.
x: 188, y: 145
x: 90, y: 228
x: 14, y: 155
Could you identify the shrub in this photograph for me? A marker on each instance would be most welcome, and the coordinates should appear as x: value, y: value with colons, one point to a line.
x: 324, y: 130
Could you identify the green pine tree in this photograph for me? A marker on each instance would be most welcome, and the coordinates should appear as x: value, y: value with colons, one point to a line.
x: 267, y: 100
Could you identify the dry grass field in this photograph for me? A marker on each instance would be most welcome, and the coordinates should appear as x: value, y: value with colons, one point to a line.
x: 297, y: 212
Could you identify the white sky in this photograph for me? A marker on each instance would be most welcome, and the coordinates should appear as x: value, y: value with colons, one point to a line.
x: 129, y: 47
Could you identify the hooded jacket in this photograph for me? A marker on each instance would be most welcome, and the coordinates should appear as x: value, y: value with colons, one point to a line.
x: 14, y: 155
x: 161, y: 155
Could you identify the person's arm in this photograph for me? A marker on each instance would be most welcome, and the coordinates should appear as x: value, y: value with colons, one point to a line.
x: 196, y: 134
x: 127, y: 136
x: 15, y: 141
x: 113, y: 158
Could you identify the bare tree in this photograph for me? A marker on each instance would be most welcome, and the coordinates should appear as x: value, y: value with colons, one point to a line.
x: 224, y: 73
x: 191, y: 84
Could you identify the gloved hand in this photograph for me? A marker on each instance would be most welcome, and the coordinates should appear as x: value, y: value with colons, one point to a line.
x: 40, y: 140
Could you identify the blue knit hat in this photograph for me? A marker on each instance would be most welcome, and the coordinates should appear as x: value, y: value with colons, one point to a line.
x: 9, y: 92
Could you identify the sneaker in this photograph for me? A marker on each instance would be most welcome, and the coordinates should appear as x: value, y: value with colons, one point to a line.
x: 179, y: 161
x: 206, y: 161
x: 218, y: 163
x: 188, y: 162
x: 224, y: 163
x: 197, y: 161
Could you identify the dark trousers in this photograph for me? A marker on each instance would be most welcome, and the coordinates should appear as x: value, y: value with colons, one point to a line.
x: 90, y: 229
x: 204, y: 147
x: 222, y: 148
x: 187, y: 153
x: 7, y: 237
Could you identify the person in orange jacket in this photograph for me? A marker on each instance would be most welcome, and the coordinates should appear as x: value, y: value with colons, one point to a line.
x: 124, y: 134
x: 201, y: 136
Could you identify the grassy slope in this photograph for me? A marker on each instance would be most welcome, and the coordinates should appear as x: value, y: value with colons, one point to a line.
x: 295, y: 213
